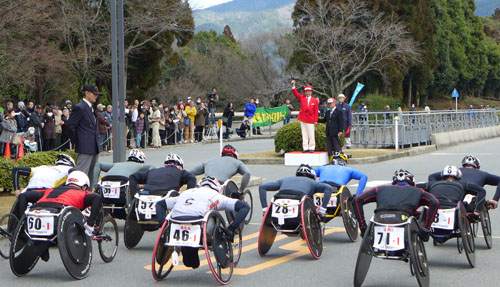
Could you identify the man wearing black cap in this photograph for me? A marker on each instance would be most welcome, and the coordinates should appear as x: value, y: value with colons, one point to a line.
x: 83, y: 132
x: 36, y: 121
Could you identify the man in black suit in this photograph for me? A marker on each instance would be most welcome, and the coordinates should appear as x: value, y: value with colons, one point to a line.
x: 334, y: 127
x: 82, y: 126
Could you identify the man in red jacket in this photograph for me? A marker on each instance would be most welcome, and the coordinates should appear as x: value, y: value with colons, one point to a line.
x: 308, y: 116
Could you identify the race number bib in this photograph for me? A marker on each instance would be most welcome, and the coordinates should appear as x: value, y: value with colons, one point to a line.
x: 40, y: 225
x: 111, y: 189
x: 184, y: 235
x: 318, y: 200
x: 389, y: 238
x: 468, y: 198
x: 285, y: 208
x: 147, y: 205
x: 444, y: 219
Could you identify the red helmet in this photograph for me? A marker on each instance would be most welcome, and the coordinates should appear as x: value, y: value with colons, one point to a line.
x: 229, y: 150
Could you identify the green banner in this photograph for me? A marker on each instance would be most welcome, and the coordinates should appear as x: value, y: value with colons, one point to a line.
x: 266, y: 117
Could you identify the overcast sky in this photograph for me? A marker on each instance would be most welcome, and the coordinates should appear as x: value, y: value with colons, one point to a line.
x: 201, y: 4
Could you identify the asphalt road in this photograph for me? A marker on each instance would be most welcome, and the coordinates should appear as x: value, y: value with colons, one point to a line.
x: 289, y: 263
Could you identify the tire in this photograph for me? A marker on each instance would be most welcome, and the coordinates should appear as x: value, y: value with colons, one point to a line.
x: 162, y: 255
x: 267, y: 233
x: 365, y: 255
x: 467, y: 236
x: 248, y: 198
x: 22, y: 259
x: 132, y: 232
x: 311, y: 226
x: 229, y: 188
x: 486, y: 226
x: 350, y: 223
x: 8, y: 224
x: 208, y: 239
x: 237, y: 247
x: 418, y: 256
x: 108, y: 239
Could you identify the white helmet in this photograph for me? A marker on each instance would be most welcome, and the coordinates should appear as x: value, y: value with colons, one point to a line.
x: 211, y: 182
x: 470, y: 160
x: 64, y: 159
x: 136, y: 155
x: 451, y: 171
x: 78, y: 178
x: 174, y: 159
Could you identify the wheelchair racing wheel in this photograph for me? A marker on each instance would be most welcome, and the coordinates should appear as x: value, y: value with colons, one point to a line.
x: 23, y: 253
x: 133, y: 231
x: 466, y: 236
x: 107, y: 238
x: 365, y: 255
x: 218, y: 247
x: 248, y: 198
x: 418, y: 257
x: 267, y: 232
x: 486, y: 226
x: 75, y: 247
x: 162, y: 263
x: 350, y: 223
x: 311, y: 226
x: 8, y: 224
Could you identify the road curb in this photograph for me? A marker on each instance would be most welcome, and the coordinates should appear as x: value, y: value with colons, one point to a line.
x: 365, y: 160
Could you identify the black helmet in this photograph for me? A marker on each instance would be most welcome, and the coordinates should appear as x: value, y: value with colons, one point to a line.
x: 306, y: 170
x: 471, y: 160
x: 403, y: 176
x: 64, y: 159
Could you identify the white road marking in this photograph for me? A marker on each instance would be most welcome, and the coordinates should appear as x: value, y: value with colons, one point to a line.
x: 372, y: 183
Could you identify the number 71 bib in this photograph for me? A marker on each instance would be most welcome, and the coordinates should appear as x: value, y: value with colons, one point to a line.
x: 389, y: 238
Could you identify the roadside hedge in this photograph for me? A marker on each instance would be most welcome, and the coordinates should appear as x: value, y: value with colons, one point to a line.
x: 30, y: 160
x: 289, y: 138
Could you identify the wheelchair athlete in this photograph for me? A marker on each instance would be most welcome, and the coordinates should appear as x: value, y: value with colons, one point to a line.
x: 403, y: 196
x: 75, y: 193
x: 471, y: 173
x: 303, y: 181
x: 135, y: 163
x: 196, y: 202
x: 159, y: 180
x: 225, y: 167
x: 45, y: 176
x: 337, y: 174
x: 450, y: 190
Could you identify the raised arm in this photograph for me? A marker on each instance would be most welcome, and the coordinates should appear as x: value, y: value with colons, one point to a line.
x: 324, y: 188
x: 362, y: 199
x: 363, y: 179
x: 198, y: 169
x: 16, y: 174
x: 430, y: 201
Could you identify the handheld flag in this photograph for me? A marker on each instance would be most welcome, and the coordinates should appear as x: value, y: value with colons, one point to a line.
x: 358, y: 89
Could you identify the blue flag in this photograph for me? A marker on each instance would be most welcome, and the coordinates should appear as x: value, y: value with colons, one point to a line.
x: 359, y: 87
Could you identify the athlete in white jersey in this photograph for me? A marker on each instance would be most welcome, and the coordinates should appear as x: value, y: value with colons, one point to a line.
x: 45, y: 176
x: 196, y: 202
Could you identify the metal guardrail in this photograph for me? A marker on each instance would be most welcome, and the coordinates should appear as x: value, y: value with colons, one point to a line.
x: 383, y: 129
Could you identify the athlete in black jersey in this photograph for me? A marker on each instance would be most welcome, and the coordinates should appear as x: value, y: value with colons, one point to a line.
x: 471, y: 173
x: 403, y: 196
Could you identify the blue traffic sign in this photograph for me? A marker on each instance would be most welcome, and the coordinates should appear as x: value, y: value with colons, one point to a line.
x: 454, y: 94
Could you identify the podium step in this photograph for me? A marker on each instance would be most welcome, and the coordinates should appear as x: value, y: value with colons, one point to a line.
x: 297, y: 158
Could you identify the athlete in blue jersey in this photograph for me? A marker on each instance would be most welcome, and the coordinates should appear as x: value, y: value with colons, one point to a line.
x: 337, y: 174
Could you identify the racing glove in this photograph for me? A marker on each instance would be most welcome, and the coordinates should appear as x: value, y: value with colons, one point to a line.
x: 89, y: 230
x: 229, y: 231
x: 321, y: 211
x: 424, y: 234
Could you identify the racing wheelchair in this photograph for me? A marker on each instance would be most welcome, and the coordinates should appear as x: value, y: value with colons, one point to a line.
x: 392, y: 235
x: 470, y: 203
x: 340, y: 204
x: 50, y: 224
x: 142, y: 216
x: 115, y: 195
x: 200, y: 233
x: 230, y: 189
x: 453, y: 222
x: 293, y: 214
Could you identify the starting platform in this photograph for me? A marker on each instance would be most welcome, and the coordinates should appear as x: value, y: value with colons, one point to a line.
x: 297, y: 158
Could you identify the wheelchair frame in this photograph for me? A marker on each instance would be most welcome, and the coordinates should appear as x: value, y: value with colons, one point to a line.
x: 162, y: 253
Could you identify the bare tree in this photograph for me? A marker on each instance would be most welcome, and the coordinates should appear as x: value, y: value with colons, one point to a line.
x: 340, y: 42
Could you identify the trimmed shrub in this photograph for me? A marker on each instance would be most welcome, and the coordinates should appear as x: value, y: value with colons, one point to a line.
x: 30, y: 160
x: 289, y: 137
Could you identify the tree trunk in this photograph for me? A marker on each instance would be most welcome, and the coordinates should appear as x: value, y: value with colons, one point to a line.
x: 409, y: 91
